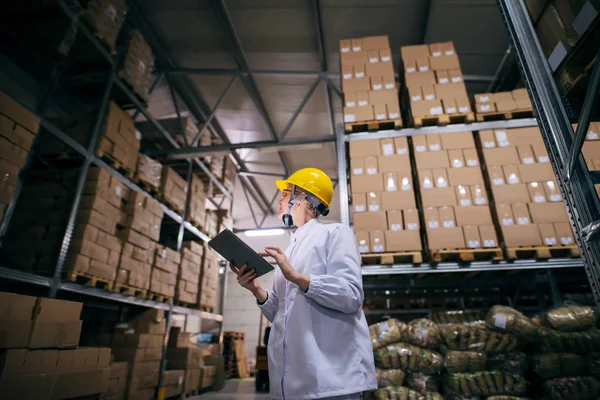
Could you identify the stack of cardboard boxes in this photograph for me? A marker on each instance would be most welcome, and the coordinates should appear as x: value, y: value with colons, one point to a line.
x: 39, y: 356
x: 434, y: 81
x: 148, y: 172
x: 197, y: 205
x: 225, y: 171
x: 181, y: 355
x: 138, y: 64
x: 106, y: 19
x: 172, y: 382
x: 515, y: 100
x: 209, y: 280
x: 591, y: 146
x: 18, y: 127
x: 211, y: 224
x: 385, y: 215
x: 165, y: 268
x: 368, y: 80
x: 209, y: 373
x: 188, y: 281
x: 117, y: 382
x: 453, y: 195
x: 143, y: 218
x: 173, y: 189
x: 526, y: 195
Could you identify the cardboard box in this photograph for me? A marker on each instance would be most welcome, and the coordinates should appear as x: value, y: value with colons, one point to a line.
x: 511, y: 194
x: 373, y: 201
x: 473, y: 216
x: 450, y: 106
x: 488, y: 141
x: 438, y: 197
x: 415, y: 94
x: 419, y: 143
x: 485, y: 107
x: 472, y: 238
x: 496, y: 175
x: 442, y: 77
x: 434, y: 142
x: 465, y: 176
x: 502, y: 138
x: 456, y: 158
x: 358, y: 114
x: 16, y: 312
x: 479, y: 195
x: 444, y: 62
x: 428, y: 92
x: 387, y: 147
x: 398, y: 200
x: 457, y: 140
x: 501, y: 156
x: 471, y: 157
x: 403, y: 240
x: 523, y: 136
x: 441, y: 49
x: 447, y: 219
x: 506, y: 105
x: 450, y: 91
x: 371, y: 165
x: 463, y: 195
x: 552, y: 191
x: 487, y: 233
x: 56, y: 324
x: 564, y: 233
x: 440, y: 178
x: 536, y: 192
x: 455, y: 75
x: 411, y: 219
x: 426, y: 180
x: 370, y: 221
x: 382, y: 97
x: 377, y: 241
x: 423, y: 65
x: 395, y: 221
x: 390, y: 182
x: 536, y: 172
x: 350, y: 99
x: 393, y: 110
x: 405, y: 180
x: 450, y: 238
x: 432, y: 218
x: 359, y: 202
x: 357, y: 166
x: 380, y: 112
x: 542, y: 213
x: 394, y: 163
x: 521, y: 214
x: 364, y: 148
x: 362, y: 239
x: 426, y: 108
x: 521, y: 235
x: 414, y: 52
x: 505, y: 215
x: 432, y: 159
x: 526, y: 155
x: 362, y: 99
x: 367, y: 183
x: 548, y: 234
x: 375, y: 42
x: 401, y: 145
x: 512, y: 174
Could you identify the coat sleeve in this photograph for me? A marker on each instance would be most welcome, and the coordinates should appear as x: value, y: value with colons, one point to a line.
x: 271, y: 305
x: 341, y: 287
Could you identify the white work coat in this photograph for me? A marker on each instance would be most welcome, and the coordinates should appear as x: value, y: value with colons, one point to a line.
x: 319, y: 344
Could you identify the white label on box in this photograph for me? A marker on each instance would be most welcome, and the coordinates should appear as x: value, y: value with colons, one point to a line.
x: 141, y: 66
x: 360, y: 74
x: 185, y: 189
x: 380, y: 117
x: 489, y: 145
x: 555, y: 197
x: 523, y: 221
x: 412, y: 226
x: 363, y: 249
x: 394, y: 116
x: 427, y: 184
x: 118, y: 191
x: 464, y: 109
x: 498, y: 181
x: 389, y: 85
x: 391, y: 188
x: 441, y: 183
x: 489, y: 243
x: 138, y: 135
x: 345, y: 49
x: 424, y: 68
x: 396, y: 227
x: 448, y: 224
x: 430, y: 97
x: 373, y: 207
x: 363, y: 103
x: 388, y: 149
x: 402, y: 150
x: 421, y: 148
x: 378, y: 248
x: 457, y: 163
x: 359, y: 208
x: 111, y: 11
x: 500, y: 321
x: 528, y: 160
x: 350, y: 104
x: 480, y: 200
x: 474, y: 244
x: 378, y: 86
x: 513, y: 179
x: 456, y: 79
x: 465, y: 202
x: 485, y: 107
x: 543, y: 159
x: 550, y: 241
x: 357, y: 171
x: 451, y: 110
x: 449, y: 52
x: 436, y: 53
x: 433, y: 224
x: 386, y: 59
x: 539, y: 199
x: 356, y: 48
x: 411, y: 69
x: 374, y: 60
x: 483, y: 99
x: 444, y: 80
x: 348, y: 76
x: 507, y: 221
x: 180, y: 380
x: 406, y: 187
x: 503, y: 143
x: 592, y: 136
x: 472, y: 162
x: 566, y: 240
x: 163, y: 253
x: 435, y: 147
x: 416, y: 98
x: 500, y: 135
x: 371, y: 171
x: 436, y: 111
x: 349, y: 118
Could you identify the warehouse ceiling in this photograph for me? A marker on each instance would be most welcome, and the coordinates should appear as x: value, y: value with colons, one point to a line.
x: 284, y: 35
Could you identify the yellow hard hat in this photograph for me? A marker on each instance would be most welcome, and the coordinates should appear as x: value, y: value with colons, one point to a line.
x: 313, y: 181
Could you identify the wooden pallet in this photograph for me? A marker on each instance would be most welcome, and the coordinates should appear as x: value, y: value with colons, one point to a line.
x: 169, y: 203
x: 146, y: 186
x: 493, y: 253
x: 185, y: 304
x: 206, y: 308
x: 444, y: 119
x: 403, y: 257
x: 196, y: 224
x: 89, y: 280
x: 130, y: 291
x: 160, y: 298
x: 541, y: 252
x: 366, y: 126
x: 502, y: 115
x: 116, y: 164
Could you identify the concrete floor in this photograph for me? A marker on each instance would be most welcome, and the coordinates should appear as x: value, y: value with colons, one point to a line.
x: 235, y: 389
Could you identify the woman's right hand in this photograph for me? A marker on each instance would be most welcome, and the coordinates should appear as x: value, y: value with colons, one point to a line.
x: 246, y: 278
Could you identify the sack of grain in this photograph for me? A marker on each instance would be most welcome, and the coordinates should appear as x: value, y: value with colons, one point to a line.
x: 397, y: 393
x: 389, y: 377
x: 464, y: 361
x: 570, y: 318
x: 408, y: 358
x: 508, y: 319
x: 512, y: 363
x: 580, y: 388
x: 423, y: 333
x: 460, y: 337
x: 422, y: 383
x: 387, y: 332
x: 552, y: 341
x: 463, y: 317
x: 486, y: 383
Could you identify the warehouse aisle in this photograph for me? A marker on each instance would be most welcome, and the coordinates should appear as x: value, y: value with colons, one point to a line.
x: 235, y: 390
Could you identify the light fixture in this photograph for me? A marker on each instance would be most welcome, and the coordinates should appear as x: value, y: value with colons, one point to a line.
x: 264, y: 232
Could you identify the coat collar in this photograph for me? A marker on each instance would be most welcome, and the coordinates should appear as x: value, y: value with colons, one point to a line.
x: 305, y: 229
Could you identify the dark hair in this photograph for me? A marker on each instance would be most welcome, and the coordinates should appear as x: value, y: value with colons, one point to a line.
x: 311, y: 207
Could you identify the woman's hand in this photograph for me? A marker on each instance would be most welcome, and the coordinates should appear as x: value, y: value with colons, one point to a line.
x: 246, y: 278
x: 286, y: 268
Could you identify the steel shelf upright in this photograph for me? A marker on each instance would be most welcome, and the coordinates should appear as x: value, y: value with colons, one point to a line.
x: 564, y: 148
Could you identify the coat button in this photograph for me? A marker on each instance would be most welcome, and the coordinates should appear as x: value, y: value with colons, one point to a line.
x: 286, y: 368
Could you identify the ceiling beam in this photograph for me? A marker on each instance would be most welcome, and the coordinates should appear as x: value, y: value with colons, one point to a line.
x: 324, y: 67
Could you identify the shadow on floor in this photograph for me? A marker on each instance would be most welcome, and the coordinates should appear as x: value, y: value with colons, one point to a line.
x: 235, y: 389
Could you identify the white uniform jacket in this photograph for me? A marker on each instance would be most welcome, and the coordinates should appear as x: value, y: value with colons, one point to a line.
x: 319, y: 344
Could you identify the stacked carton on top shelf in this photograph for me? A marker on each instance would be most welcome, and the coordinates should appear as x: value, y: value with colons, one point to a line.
x: 435, y: 85
x: 385, y: 216
x: 509, y: 105
x: 173, y: 189
x: 526, y: 195
x: 369, y: 81
x: 188, y: 281
x: 138, y: 64
x: 454, y: 200
x: 106, y: 19
x: 224, y: 169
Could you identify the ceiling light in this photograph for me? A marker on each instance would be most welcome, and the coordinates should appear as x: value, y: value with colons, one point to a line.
x: 264, y: 232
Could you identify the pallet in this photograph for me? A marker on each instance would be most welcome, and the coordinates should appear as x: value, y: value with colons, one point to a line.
x: 146, y: 186
x: 189, y: 394
x: 444, y: 119
x: 235, y: 335
x: 493, y: 253
x: 206, y: 308
x: 403, y: 257
x: 366, y: 126
x: 89, y: 280
x: 185, y: 304
x: 502, y: 115
x: 116, y: 164
x: 541, y: 252
x: 169, y: 203
x: 196, y: 224
x: 159, y: 298
x: 130, y: 291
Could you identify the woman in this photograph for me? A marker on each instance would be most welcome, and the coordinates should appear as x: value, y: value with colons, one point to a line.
x: 319, y: 345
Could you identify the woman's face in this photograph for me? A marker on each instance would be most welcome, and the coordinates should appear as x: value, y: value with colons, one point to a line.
x: 297, y: 209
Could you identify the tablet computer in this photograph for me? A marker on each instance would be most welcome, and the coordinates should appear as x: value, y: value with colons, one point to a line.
x: 236, y: 251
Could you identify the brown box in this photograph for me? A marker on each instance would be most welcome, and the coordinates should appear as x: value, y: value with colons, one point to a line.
x: 548, y: 234
x: 419, y: 143
x: 387, y: 147
x: 428, y: 92
x: 501, y: 156
x: 380, y: 112
x: 423, y: 65
x: 564, y: 233
x: 358, y: 114
x: 377, y: 241
x: 382, y: 97
x: 523, y: 136
x: 350, y: 100
x: 357, y: 166
x: 450, y: 238
x: 364, y: 148
x: 456, y: 158
x: 440, y: 178
x: 511, y: 194
x: 506, y: 105
x: 521, y: 214
x: 536, y: 172
x: 455, y: 75
x: 457, y: 140
x: 471, y: 157
x: 505, y: 215
x: 370, y: 221
x: 483, y: 98
x: 16, y: 312
x: 395, y: 222
x: 373, y: 201
x: 496, y: 176
x: 473, y: 216
x: 442, y: 76
x: 414, y: 52
x: 450, y: 91
x: 367, y: 183
x: 463, y: 195
x: 432, y: 159
x: 441, y: 49
x: 542, y: 213
x: 426, y: 180
x: 432, y: 218
x: 371, y: 165
x: 393, y: 110
x: 447, y: 219
x: 487, y: 233
x: 450, y: 106
x: 403, y: 240
x: 394, y: 163
x: 465, y: 176
x: 444, y: 62
x: 173, y: 187
x: 438, y: 197
x: 488, y: 141
x: 512, y: 174
x: 405, y: 180
x: 401, y: 144
x: 362, y: 239
x: 56, y: 324
x: 411, y: 219
x: 415, y: 94
x: 398, y: 200
x: 390, y: 181
x: 359, y: 202
x: 521, y: 235
x: 536, y: 192
x: 426, y: 108
x: 485, y: 107
x: 18, y: 113
x: 552, y: 191
x: 526, y: 154
x: 434, y: 142
x: 472, y: 238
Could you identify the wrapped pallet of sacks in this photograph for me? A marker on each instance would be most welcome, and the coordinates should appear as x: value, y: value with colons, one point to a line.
x: 571, y: 318
x: 387, y: 332
x: 468, y: 338
x: 509, y: 320
x: 571, y: 388
x: 552, y: 341
x: 408, y: 358
x: 485, y: 384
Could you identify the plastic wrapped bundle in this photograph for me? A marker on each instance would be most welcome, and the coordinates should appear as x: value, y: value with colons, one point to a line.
x: 510, y: 320
x: 580, y: 388
x: 513, y: 363
x: 464, y: 361
x: 460, y: 337
x: 433, y: 396
x: 486, y: 383
x: 569, y: 342
x: 423, y: 383
x: 464, y: 317
x: 408, y: 358
x: 390, y: 377
x: 423, y: 333
x: 553, y: 365
x: 387, y: 332
x: 397, y: 393
x: 570, y: 318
